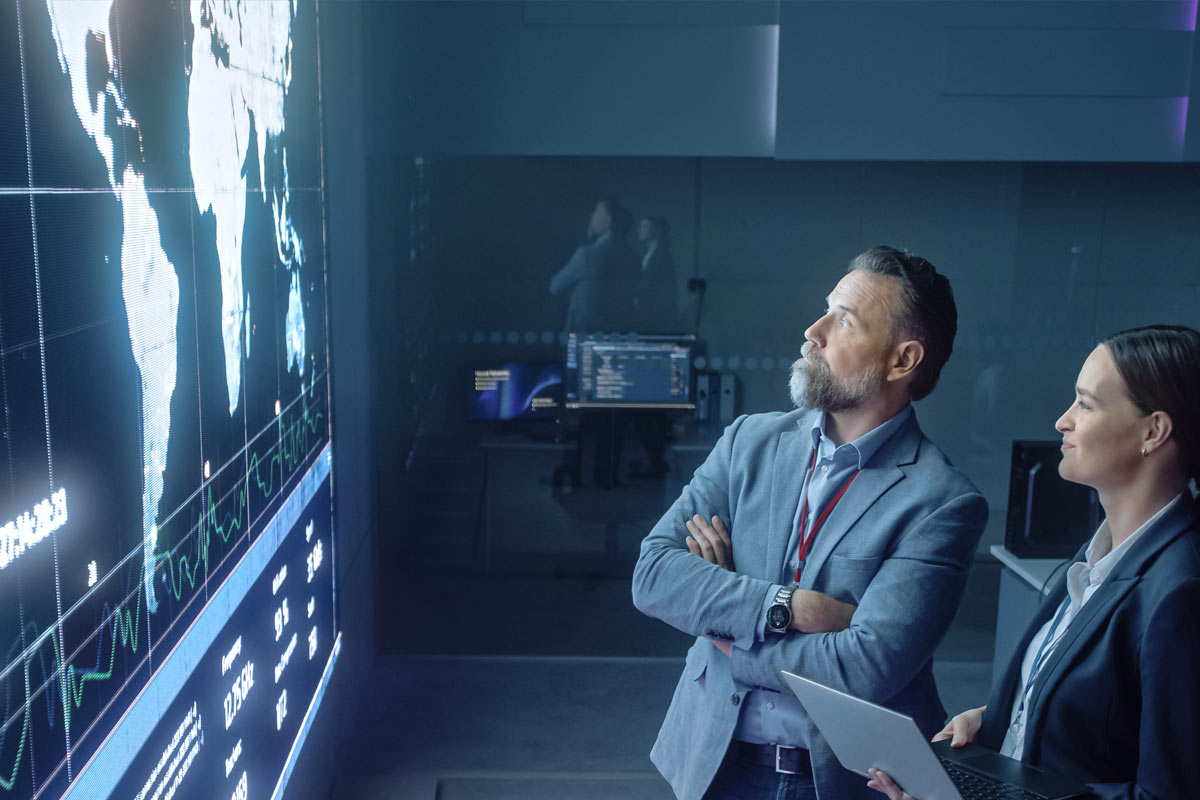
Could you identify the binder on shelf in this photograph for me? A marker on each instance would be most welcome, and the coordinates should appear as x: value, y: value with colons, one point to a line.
x: 702, y: 397
x: 728, y: 398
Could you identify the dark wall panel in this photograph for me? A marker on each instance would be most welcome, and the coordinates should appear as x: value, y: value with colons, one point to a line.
x: 1044, y: 258
x: 501, y: 78
x: 1012, y: 81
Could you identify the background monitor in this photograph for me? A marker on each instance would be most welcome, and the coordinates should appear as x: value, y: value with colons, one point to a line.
x: 628, y: 371
x: 1048, y: 516
x: 515, y: 391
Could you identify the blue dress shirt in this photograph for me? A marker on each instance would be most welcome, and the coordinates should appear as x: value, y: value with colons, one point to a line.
x: 768, y: 716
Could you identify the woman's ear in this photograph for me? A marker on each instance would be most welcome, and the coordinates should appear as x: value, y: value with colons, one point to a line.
x: 1159, y: 427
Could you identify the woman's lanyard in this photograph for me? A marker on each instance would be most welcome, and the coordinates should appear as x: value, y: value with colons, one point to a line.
x: 1039, y: 661
x: 807, y: 540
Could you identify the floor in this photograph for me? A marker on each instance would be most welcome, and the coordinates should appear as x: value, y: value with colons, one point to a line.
x: 541, y: 687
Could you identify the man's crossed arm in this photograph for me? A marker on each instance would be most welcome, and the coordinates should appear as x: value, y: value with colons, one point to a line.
x: 812, y: 612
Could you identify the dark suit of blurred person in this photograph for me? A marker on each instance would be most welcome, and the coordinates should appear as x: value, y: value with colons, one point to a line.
x: 654, y: 299
x: 654, y: 306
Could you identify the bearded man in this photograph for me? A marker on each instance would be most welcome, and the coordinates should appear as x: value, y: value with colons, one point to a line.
x: 833, y: 541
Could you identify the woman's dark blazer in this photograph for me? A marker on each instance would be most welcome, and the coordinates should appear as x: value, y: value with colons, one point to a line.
x: 1117, y: 704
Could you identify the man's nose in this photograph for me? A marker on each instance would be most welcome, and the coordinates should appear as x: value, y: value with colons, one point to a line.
x: 816, y: 332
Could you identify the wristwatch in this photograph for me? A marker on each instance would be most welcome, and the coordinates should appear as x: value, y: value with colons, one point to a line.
x: 779, y: 614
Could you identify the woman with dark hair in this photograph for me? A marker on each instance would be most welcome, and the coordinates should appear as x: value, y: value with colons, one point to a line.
x: 1104, y: 685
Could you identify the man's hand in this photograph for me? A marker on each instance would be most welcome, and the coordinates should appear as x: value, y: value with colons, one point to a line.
x: 813, y: 612
x: 963, y: 728
x: 710, y: 541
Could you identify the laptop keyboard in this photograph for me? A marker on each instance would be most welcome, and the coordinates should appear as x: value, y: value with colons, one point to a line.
x: 974, y: 787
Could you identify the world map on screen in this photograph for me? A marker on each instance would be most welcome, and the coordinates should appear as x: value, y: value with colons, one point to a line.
x: 163, y: 355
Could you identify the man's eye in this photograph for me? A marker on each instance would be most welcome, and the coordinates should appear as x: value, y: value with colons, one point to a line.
x: 845, y: 323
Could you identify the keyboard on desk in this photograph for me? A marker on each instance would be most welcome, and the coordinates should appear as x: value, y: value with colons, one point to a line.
x: 976, y: 787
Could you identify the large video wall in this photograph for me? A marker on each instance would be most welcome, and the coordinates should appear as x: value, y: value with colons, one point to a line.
x: 167, y: 613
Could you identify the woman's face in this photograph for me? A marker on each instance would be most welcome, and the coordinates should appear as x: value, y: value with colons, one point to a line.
x: 1102, y: 430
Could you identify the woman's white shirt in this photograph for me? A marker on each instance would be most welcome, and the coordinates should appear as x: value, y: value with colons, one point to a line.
x: 1083, y: 578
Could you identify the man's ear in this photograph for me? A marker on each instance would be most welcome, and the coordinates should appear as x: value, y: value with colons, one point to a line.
x: 906, y: 357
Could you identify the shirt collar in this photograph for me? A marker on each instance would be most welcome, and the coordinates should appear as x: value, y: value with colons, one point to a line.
x: 1101, y: 557
x: 865, y: 446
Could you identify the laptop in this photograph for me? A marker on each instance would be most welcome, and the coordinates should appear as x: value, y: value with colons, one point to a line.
x: 864, y: 735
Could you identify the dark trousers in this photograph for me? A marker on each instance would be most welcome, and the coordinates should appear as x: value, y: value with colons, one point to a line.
x: 742, y: 779
x: 601, y: 440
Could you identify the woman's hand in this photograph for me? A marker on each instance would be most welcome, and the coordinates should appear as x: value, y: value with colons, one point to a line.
x: 962, y: 728
x: 882, y: 782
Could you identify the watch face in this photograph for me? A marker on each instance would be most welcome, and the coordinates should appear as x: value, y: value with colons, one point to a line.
x: 777, y: 617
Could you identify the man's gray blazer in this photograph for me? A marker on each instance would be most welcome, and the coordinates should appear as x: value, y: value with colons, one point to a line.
x: 899, y: 546
x: 600, y: 279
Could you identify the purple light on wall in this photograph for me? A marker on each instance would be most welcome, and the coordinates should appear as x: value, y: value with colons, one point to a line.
x: 1181, y: 124
x: 1188, y: 12
x: 1188, y: 9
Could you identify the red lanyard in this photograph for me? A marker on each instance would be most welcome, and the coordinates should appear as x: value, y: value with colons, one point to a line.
x: 806, y: 541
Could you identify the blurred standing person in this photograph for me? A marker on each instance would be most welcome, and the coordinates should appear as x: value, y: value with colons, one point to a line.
x: 599, y: 280
x: 600, y: 276
x: 654, y: 299
x: 655, y: 313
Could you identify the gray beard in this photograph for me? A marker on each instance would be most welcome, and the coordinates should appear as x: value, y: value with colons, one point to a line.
x: 812, y: 386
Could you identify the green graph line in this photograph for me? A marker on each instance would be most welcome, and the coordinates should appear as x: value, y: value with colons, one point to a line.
x: 292, y: 445
x: 7, y: 784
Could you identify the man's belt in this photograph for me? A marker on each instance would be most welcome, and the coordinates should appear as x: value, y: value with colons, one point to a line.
x: 786, y: 760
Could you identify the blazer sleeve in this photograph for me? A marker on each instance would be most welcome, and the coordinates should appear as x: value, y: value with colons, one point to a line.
x: 1169, y: 732
x: 571, y: 274
x: 902, y: 616
x: 684, y: 590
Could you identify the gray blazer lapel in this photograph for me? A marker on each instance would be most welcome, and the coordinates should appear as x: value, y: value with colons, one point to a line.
x: 880, y: 474
x: 792, y: 454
